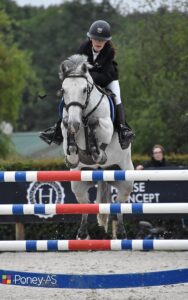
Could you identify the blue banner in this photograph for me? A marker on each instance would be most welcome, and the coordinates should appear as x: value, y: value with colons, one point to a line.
x: 79, y: 281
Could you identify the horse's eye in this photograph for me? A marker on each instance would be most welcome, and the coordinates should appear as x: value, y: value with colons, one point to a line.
x: 84, y: 90
x: 63, y: 91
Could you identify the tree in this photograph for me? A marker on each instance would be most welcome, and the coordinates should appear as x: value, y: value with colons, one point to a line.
x: 15, y: 72
x: 154, y: 78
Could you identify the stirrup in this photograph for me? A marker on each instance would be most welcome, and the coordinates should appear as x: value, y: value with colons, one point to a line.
x: 44, y: 138
x: 56, y: 139
x: 52, y: 135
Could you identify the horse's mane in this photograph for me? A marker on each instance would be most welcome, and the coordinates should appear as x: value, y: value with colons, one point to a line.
x: 74, y: 61
x: 74, y: 65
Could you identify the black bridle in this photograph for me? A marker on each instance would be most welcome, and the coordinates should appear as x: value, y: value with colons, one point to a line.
x: 90, y: 86
x: 89, y: 89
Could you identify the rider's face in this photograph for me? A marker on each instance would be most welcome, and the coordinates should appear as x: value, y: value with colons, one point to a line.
x: 98, y: 44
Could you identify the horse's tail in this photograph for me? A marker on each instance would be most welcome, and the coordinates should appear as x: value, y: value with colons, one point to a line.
x: 103, y: 196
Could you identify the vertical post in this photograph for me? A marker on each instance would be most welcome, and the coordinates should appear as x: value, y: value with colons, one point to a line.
x: 19, y: 231
x: 114, y: 229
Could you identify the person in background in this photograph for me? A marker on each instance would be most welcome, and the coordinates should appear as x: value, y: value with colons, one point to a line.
x: 157, y: 159
x: 101, y: 54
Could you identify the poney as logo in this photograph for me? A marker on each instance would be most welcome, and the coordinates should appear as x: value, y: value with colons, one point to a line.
x: 6, y: 279
x: 38, y: 280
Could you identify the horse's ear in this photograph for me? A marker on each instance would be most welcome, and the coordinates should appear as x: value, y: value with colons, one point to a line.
x: 84, y: 68
x: 63, y: 71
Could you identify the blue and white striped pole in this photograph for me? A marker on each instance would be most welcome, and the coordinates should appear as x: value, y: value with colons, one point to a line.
x: 102, y: 208
x: 97, y: 175
x: 96, y: 245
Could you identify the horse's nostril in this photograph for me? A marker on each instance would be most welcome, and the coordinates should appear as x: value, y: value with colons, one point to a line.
x: 76, y: 126
x: 73, y: 126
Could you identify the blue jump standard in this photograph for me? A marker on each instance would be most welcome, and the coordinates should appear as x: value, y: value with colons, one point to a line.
x: 112, y: 281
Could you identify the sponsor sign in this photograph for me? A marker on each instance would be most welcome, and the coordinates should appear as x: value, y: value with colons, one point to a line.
x: 30, y: 279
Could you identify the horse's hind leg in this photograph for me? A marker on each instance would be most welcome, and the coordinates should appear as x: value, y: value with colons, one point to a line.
x: 103, y: 196
x: 83, y: 229
x: 118, y: 228
x: 80, y: 189
x: 120, y: 231
x: 124, y: 190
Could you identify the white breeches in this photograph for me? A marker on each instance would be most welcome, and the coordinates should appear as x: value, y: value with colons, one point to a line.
x: 115, y: 88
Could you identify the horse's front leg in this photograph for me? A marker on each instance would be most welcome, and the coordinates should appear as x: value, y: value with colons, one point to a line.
x: 71, y: 152
x: 98, y: 154
x: 70, y: 147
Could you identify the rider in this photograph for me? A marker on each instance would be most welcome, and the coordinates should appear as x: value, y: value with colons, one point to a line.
x: 100, y: 52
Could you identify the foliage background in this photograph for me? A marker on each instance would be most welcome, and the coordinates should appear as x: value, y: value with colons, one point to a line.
x: 151, y: 50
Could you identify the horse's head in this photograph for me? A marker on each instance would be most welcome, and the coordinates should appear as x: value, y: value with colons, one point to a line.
x: 77, y: 85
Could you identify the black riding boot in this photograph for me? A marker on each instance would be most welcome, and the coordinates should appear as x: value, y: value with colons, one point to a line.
x: 125, y: 132
x: 52, y: 134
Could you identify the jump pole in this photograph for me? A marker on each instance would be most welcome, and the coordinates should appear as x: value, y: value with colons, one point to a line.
x: 95, y: 245
x: 102, y: 208
x: 97, y: 175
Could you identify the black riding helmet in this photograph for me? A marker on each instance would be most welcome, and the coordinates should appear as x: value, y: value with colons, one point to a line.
x: 99, y: 30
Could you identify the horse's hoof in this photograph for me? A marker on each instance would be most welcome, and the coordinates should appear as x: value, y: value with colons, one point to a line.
x: 73, y: 149
x: 84, y: 237
x: 121, y: 235
x: 69, y: 164
x: 100, y: 159
x: 103, y: 159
